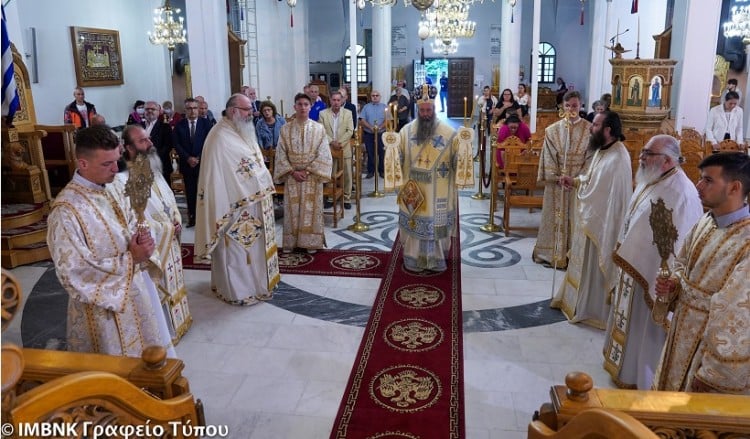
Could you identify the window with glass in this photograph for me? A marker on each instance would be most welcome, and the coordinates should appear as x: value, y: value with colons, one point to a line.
x: 361, y: 64
x: 547, y: 57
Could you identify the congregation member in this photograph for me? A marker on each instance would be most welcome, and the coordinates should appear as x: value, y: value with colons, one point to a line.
x: 317, y: 102
x: 170, y: 116
x: 486, y: 103
x: 426, y: 155
x: 188, y: 138
x: 513, y: 126
x: 523, y: 97
x: 109, y: 309
x: 602, y: 194
x: 562, y: 89
x: 564, y: 148
x: 80, y: 113
x: 303, y: 164
x: 708, y: 347
x: 161, y: 137
x: 597, y: 107
x: 268, y: 127
x: 98, y: 119
x: 136, y: 117
x: 731, y: 86
x: 255, y: 103
x: 164, y: 276
x: 443, y: 91
x: 372, y: 119
x: 338, y: 125
x: 725, y: 121
x: 506, y: 106
x: 348, y: 105
x: 235, y: 225
x: 634, y: 341
x: 400, y: 101
x: 205, y: 113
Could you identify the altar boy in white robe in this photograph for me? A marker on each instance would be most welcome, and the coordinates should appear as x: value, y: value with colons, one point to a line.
x: 98, y: 256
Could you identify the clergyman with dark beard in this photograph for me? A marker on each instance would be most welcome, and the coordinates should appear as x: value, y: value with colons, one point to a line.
x: 429, y: 154
x: 235, y: 226
x: 603, y: 192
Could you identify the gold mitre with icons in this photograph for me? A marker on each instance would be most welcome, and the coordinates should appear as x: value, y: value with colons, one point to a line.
x: 425, y: 94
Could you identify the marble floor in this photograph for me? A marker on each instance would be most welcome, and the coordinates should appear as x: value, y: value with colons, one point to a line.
x: 278, y: 369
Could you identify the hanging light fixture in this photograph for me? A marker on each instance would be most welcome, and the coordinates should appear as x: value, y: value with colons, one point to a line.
x: 168, y: 31
x: 444, y: 47
x: 448, y: 19
x: 739, y: 26
x: 421, y: 5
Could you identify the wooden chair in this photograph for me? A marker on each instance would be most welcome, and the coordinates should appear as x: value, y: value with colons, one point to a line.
x: 693, y: 154
x: 334, y: 189
x: 59, y: 151
x: 513, y: 148
x: 524, y: 180
x: 269, y: 156
x: 730, y: 145
x: 596, y: 423
x: 176, y: 180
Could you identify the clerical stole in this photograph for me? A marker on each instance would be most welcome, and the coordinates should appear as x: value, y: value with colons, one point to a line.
x: 563, y: 148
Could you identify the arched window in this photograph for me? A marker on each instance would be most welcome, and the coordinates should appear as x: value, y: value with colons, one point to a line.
x: 547, y: 58
x: 361, y: 64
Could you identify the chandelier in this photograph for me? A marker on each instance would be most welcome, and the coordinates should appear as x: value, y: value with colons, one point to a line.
x: 446, y: 20
x: 421, y: 5
x: 444, y: 47
x: 167, y: 31
x: 739, y: 26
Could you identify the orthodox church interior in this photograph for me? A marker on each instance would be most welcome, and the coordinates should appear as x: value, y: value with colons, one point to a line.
x: 293, y: 366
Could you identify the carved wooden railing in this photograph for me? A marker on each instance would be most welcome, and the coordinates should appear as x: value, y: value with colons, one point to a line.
x: 670, y: 415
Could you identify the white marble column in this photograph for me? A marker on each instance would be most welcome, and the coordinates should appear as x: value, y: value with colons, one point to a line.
x: 534, y: 68
x: 746, y: 122
x: 693, y: 46
x: 209, y: 51
x: 353, y: 51
x: 510, y: 37
x: 380, y: 63
x: 600, y: 70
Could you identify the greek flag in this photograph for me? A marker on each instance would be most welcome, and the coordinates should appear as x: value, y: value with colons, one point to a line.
x: 10, y: 93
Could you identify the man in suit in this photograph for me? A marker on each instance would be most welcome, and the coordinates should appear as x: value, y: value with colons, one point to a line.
x: 254, y: 101
x: 160, y: 134
x: 339, y: 128
x: 188, y: 138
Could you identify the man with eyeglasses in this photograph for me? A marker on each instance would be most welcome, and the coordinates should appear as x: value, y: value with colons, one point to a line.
x: 372, y: 119
x: 634, y: 341
x: 602, y: 194
x: 235, y: 225
x: 160, y: 134
x: 188, y: 137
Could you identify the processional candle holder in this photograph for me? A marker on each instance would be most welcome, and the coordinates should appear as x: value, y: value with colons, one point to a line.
x: 491, y: 226
x: 664, y: 236
x: 138, y: 190
x: 481, y: 153
x: 376, y: 193
x: 358, y: 226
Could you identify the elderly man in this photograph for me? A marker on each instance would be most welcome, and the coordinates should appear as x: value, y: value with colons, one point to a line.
x: 109, y: 310
x: 372, y: 119
x: 602, y: 195
x: 235, y: 224
x: 317, y: 102
x: 708, y: 345
x: 252, y: 94
x: 161, y: 136
x: 339, y: 127
x: 427, y: 154
x: 634, y: 340
x: 165, y: 273
x: 564, y: 149
x: 188, y: 138
x: 303, y: 163
x: 79, y: 112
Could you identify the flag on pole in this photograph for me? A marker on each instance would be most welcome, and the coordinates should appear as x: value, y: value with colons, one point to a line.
x: 634, y: 7
x: 11, y: 102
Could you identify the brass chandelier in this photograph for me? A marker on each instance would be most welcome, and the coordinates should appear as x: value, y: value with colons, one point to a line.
x: 167, y: 31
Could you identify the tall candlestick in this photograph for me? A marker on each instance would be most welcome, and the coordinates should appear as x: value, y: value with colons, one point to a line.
x: 639, y: 28
x: 464, y: 109
x: 638, y: 42
x: 281, y: 101
x: 617, y: 33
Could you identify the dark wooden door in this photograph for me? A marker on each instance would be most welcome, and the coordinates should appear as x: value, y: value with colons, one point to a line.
x: 460, y: 85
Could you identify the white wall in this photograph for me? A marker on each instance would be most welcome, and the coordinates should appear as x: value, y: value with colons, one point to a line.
x: 145, y: 67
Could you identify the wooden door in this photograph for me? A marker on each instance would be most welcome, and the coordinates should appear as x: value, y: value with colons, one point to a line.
x: 460, y: 85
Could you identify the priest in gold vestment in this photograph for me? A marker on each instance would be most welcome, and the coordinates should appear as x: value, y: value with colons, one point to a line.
x: 99, y: 256
x: 565, y: 146
x: 708, y: 344
x: 634, y: 341
x: 303, y: 164
x: 602, y: 196
x: 428, y: 161
x: 235, y: 224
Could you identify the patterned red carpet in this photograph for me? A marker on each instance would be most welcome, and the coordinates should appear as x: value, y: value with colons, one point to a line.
x: 407, y: 379
x: 344, y: 263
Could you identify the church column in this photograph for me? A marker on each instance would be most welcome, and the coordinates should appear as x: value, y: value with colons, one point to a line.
x: 510, y: 37
x: 746, y: 113
x: 380, y: 63
x: 353, y: 52
x: 534, y: 67
x: 692, y: 45
x: 209, y: 51
x: 600, y: 70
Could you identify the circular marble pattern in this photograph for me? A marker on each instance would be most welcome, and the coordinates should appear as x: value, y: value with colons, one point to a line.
x: 356, y: 262
x: 405, y: 388
x: 413, y: 335
x: 419, y: 296
x: 294, y: 259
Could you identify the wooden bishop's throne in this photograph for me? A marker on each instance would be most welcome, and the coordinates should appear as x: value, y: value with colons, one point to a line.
x: 37, y: 161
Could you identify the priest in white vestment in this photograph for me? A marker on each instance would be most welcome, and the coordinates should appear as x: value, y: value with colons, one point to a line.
x: 634, y: 341
x: 602, y: 196
x: 565, y: 151
x: 428, y: 161
x: 708, y: 344
x: 99, y: 256
x: 303, y: 164
x: 235, y: 225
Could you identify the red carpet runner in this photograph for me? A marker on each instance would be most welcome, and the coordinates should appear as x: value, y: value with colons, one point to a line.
x: 344, y: 263
x: 407, y: 380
